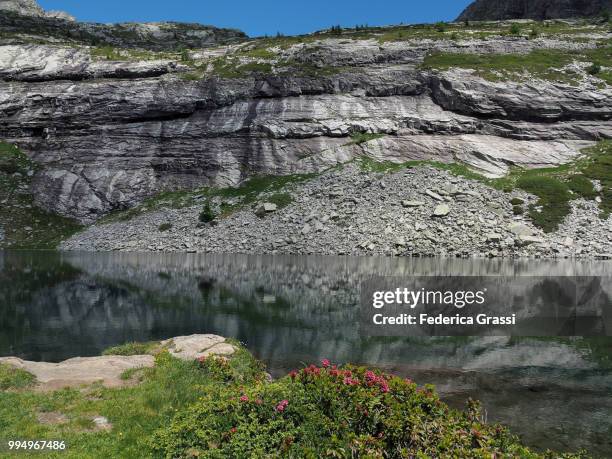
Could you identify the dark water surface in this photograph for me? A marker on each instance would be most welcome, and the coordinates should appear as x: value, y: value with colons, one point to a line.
x: 554, y: 393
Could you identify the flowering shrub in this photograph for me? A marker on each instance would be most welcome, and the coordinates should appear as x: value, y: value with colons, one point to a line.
x: 330, y: 411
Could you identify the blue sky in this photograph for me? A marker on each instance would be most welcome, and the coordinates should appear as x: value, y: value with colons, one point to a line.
x: 265, y: 16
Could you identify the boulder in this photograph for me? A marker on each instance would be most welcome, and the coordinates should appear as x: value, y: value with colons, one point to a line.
x: 266, y: 208
x: 434, y: 195
x: 520, y: 229
x: 525, y: 240
x: 442, y: 210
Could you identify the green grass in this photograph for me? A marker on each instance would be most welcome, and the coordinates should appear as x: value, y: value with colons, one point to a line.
x: 259, y: 53
x: 135, y: 412
x: 363, y: 137
x: 539, y: 63
x: 598, y: 166
x: 232, y: 198
x: 280, y: 199
x: 14, y: 378
x: 232, y: 68
x: 554, y: 198
x: 25, y: 225
x: 133, y: 349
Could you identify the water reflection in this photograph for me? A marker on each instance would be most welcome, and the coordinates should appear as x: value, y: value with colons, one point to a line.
x: 289, y: 310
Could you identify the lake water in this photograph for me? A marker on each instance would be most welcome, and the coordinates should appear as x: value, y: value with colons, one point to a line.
x: 293, y: 310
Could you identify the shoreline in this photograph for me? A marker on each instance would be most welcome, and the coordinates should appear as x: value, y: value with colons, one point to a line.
x: 227, y: 373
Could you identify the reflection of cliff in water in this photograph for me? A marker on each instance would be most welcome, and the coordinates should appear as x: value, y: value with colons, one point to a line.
x: 289, y: 310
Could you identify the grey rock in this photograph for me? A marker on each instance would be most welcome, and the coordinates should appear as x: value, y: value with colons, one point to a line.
x: 524, y: 240
x: 434, y: 195
x: 441, y: 211
x: 520, y: 229
x: 265, y: 208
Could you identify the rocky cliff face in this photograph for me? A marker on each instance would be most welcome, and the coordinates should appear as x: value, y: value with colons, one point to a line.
x: 112, y: 127
x: 25, y: 21
x: 496, y: 10
x: 23, y: 7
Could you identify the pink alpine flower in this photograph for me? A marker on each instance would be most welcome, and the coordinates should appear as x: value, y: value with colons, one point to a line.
x: 244, y: 398
x: 370, y: 378
x: 326, y: 363
x: 384, y: 387
x: 293, y: 374
x: 282, y: 405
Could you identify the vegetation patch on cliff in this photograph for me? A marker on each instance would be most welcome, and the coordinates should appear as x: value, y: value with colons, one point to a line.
x: 555, y: 187
x: 546, y: 64
x: 24, y: 225
x: 229, y: 199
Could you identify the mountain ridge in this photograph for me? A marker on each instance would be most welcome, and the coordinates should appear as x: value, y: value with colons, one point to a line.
x: 498, y: 10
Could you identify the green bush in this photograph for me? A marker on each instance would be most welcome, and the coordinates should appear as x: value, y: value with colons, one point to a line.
x: 363, y: 137
x: 280, y: 199
x: 598, y: 166
x: 554, y: 200
x: 515, y: 29
x: 518, y: 210
x: 534, y: 33
x: 14, y: 378
x: 165, y: 227
x: 330, y: 412
x: 517, y: 201
x: 185, y: 56
x: 582, y: 186
x: 12, y: 159
x: 594, y: 69
x: 207, y: 215
x: 440, y: 27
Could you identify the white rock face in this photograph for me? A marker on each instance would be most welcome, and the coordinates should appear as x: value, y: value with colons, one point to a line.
x: 110, y: 134
x: 24, y: 7
x: 32, y: 8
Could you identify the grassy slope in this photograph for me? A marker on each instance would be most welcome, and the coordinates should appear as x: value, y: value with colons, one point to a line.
x: 232, y: 199
x: 544, y: 64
